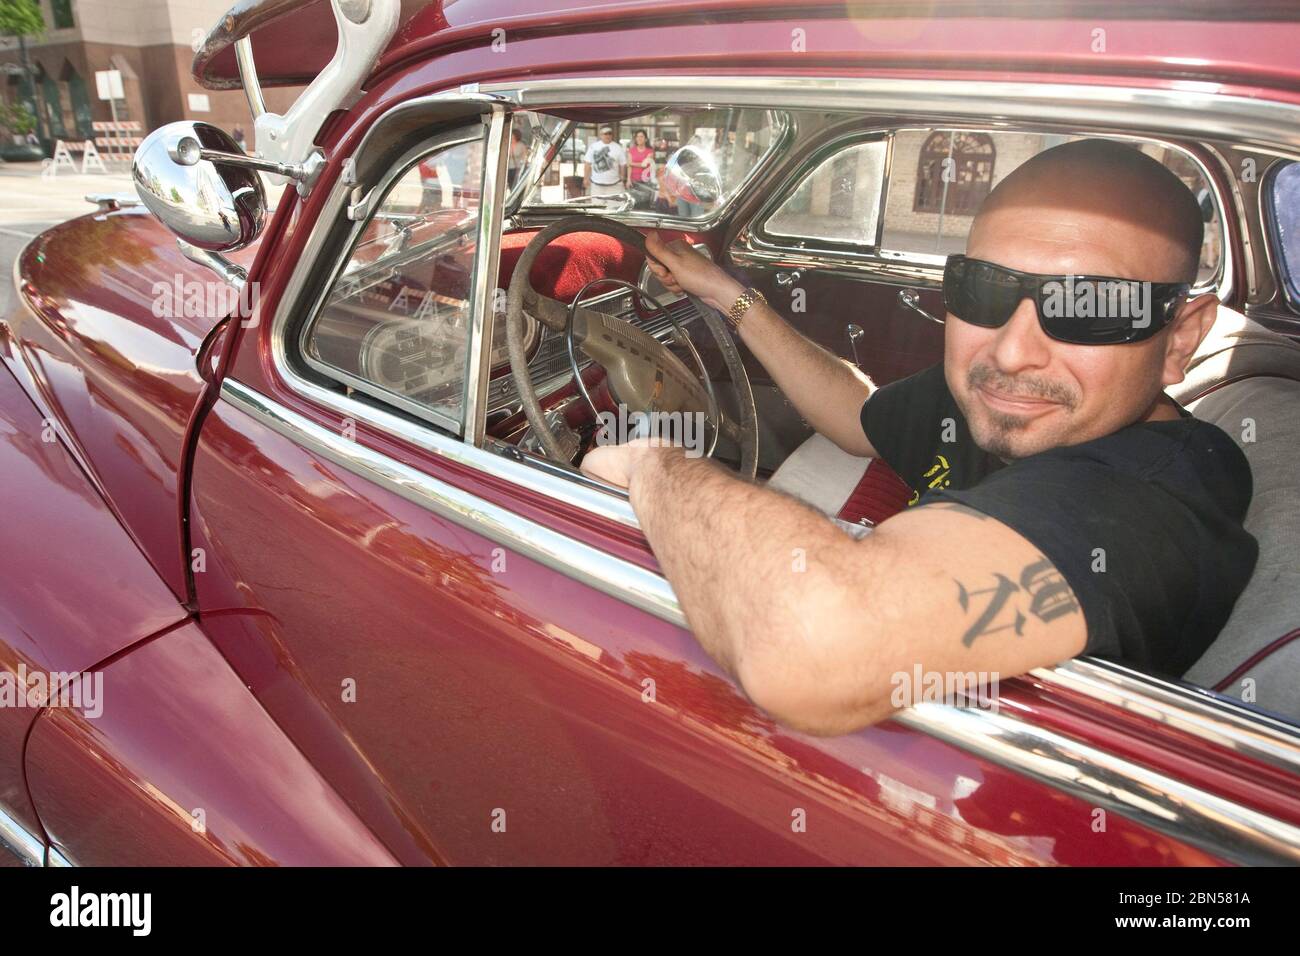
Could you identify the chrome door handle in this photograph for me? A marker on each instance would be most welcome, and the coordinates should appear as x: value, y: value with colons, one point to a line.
x: 787, y: 279
x: 855, y: 332
x: 911, y: 299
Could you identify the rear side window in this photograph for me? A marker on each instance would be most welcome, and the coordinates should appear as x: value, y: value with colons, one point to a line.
x: 839, y: 201
x: 937, y: 178
x: 1286, y: 219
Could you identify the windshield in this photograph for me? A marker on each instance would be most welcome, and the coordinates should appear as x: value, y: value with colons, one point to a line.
x: 683, y: 163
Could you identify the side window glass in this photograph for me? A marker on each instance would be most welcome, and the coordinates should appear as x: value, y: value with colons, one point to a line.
x: 395, y: 324
x: 939, y: 177
x: 1285, y: 196
x: 839, y: 201
x: 668, y: 162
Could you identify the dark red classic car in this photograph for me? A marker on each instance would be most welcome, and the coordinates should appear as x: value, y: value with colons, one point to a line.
x: 294, y: 547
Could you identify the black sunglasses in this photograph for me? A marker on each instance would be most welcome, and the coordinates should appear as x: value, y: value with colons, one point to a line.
x: 1081, y: 310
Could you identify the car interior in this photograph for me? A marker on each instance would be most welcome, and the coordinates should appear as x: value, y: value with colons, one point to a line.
x: 843, y: 221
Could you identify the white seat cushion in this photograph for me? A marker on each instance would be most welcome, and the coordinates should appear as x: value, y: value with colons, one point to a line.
x: 819, y: 473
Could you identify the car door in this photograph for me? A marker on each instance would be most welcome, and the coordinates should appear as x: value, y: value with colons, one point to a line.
x: 477, y: 650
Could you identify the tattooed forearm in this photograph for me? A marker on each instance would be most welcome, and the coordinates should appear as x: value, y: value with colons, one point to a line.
x: 1041, y: 591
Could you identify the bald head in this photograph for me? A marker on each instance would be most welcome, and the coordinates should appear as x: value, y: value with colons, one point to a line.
x: 1101, y: 188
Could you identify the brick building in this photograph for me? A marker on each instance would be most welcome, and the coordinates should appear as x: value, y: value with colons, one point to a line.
x: 151, y: 42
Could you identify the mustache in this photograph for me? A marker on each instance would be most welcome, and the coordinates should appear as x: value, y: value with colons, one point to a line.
x: 1023, y: 386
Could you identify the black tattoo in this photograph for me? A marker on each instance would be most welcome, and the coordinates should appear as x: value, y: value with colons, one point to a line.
x: 1000, y: 593
x: 1050, y: 597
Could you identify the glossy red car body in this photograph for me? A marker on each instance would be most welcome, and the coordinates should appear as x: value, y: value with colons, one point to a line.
x: 344, y: 681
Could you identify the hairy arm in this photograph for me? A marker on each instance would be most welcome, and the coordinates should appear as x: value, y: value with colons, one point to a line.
x: 816, y: 626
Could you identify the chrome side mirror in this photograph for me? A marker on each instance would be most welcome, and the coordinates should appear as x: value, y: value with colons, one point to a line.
x: 692, y: 174
x: 189, y: 175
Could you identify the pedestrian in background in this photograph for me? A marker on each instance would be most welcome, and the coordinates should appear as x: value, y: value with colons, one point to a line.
x: 602, y: 165
x: 641, y: 178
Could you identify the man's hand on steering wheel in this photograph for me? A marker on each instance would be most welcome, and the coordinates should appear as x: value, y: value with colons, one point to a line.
x: 617, y: 464
x: 640, y: 371
x: 681, y: 269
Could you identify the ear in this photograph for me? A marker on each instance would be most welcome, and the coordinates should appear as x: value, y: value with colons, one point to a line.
x: 1189, y: 328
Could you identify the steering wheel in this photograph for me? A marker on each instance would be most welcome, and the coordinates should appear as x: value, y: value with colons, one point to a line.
x: 641, y: 372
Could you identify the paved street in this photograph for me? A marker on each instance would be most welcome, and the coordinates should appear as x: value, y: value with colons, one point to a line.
x: 30, y: 203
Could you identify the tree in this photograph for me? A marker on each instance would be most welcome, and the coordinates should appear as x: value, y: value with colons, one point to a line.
x: 17, y: 118
x: 21, y: 19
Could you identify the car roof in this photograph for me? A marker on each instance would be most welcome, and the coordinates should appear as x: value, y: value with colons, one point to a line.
x: 294, y: 39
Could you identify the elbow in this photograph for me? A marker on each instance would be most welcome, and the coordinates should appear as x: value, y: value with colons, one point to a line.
x: 810, y: 692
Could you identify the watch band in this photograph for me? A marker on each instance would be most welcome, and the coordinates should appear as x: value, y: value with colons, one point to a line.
x: 741, y: 306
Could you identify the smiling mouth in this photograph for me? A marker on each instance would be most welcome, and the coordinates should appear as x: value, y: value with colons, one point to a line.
x: 1014, y: 404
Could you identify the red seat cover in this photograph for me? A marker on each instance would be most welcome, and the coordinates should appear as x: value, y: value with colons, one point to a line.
x: 879, y: 494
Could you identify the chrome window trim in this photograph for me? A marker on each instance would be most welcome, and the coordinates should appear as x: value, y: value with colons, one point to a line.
x: 1194, y: 105
x: 1193, y: 710
x: 487, y: 261
x: 1151, y: 798
x: 755, y: 246
x: 1268, y: 122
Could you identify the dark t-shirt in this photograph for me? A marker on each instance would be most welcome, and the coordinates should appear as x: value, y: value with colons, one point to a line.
x: 1157, y: 505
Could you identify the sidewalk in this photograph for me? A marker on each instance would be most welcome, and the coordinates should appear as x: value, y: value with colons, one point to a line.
x: 30, y: 202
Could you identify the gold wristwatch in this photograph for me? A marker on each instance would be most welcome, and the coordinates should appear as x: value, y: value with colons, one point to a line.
x: 741, y: 306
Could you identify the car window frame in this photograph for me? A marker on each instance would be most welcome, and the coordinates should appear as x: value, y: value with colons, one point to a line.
x: 448, y: 138
x: 755, y: 240
x: 1205, y: 714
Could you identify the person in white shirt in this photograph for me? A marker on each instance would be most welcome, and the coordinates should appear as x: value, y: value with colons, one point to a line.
x: 602, y: 166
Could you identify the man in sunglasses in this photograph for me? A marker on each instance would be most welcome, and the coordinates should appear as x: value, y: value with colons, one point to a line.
x: 1064, y: 504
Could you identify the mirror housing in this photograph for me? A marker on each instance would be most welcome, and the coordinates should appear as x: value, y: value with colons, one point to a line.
x: 210, y: 204
x: 691, y: 173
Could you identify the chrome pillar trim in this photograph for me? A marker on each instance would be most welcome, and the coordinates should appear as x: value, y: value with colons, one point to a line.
x: 1196, y: 712
x: 1148, y: 797
x: 483, y: 300
x: 248, y: 76
x: 23, y: 843
x: 619, y: 579
x: 1196, y: 106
